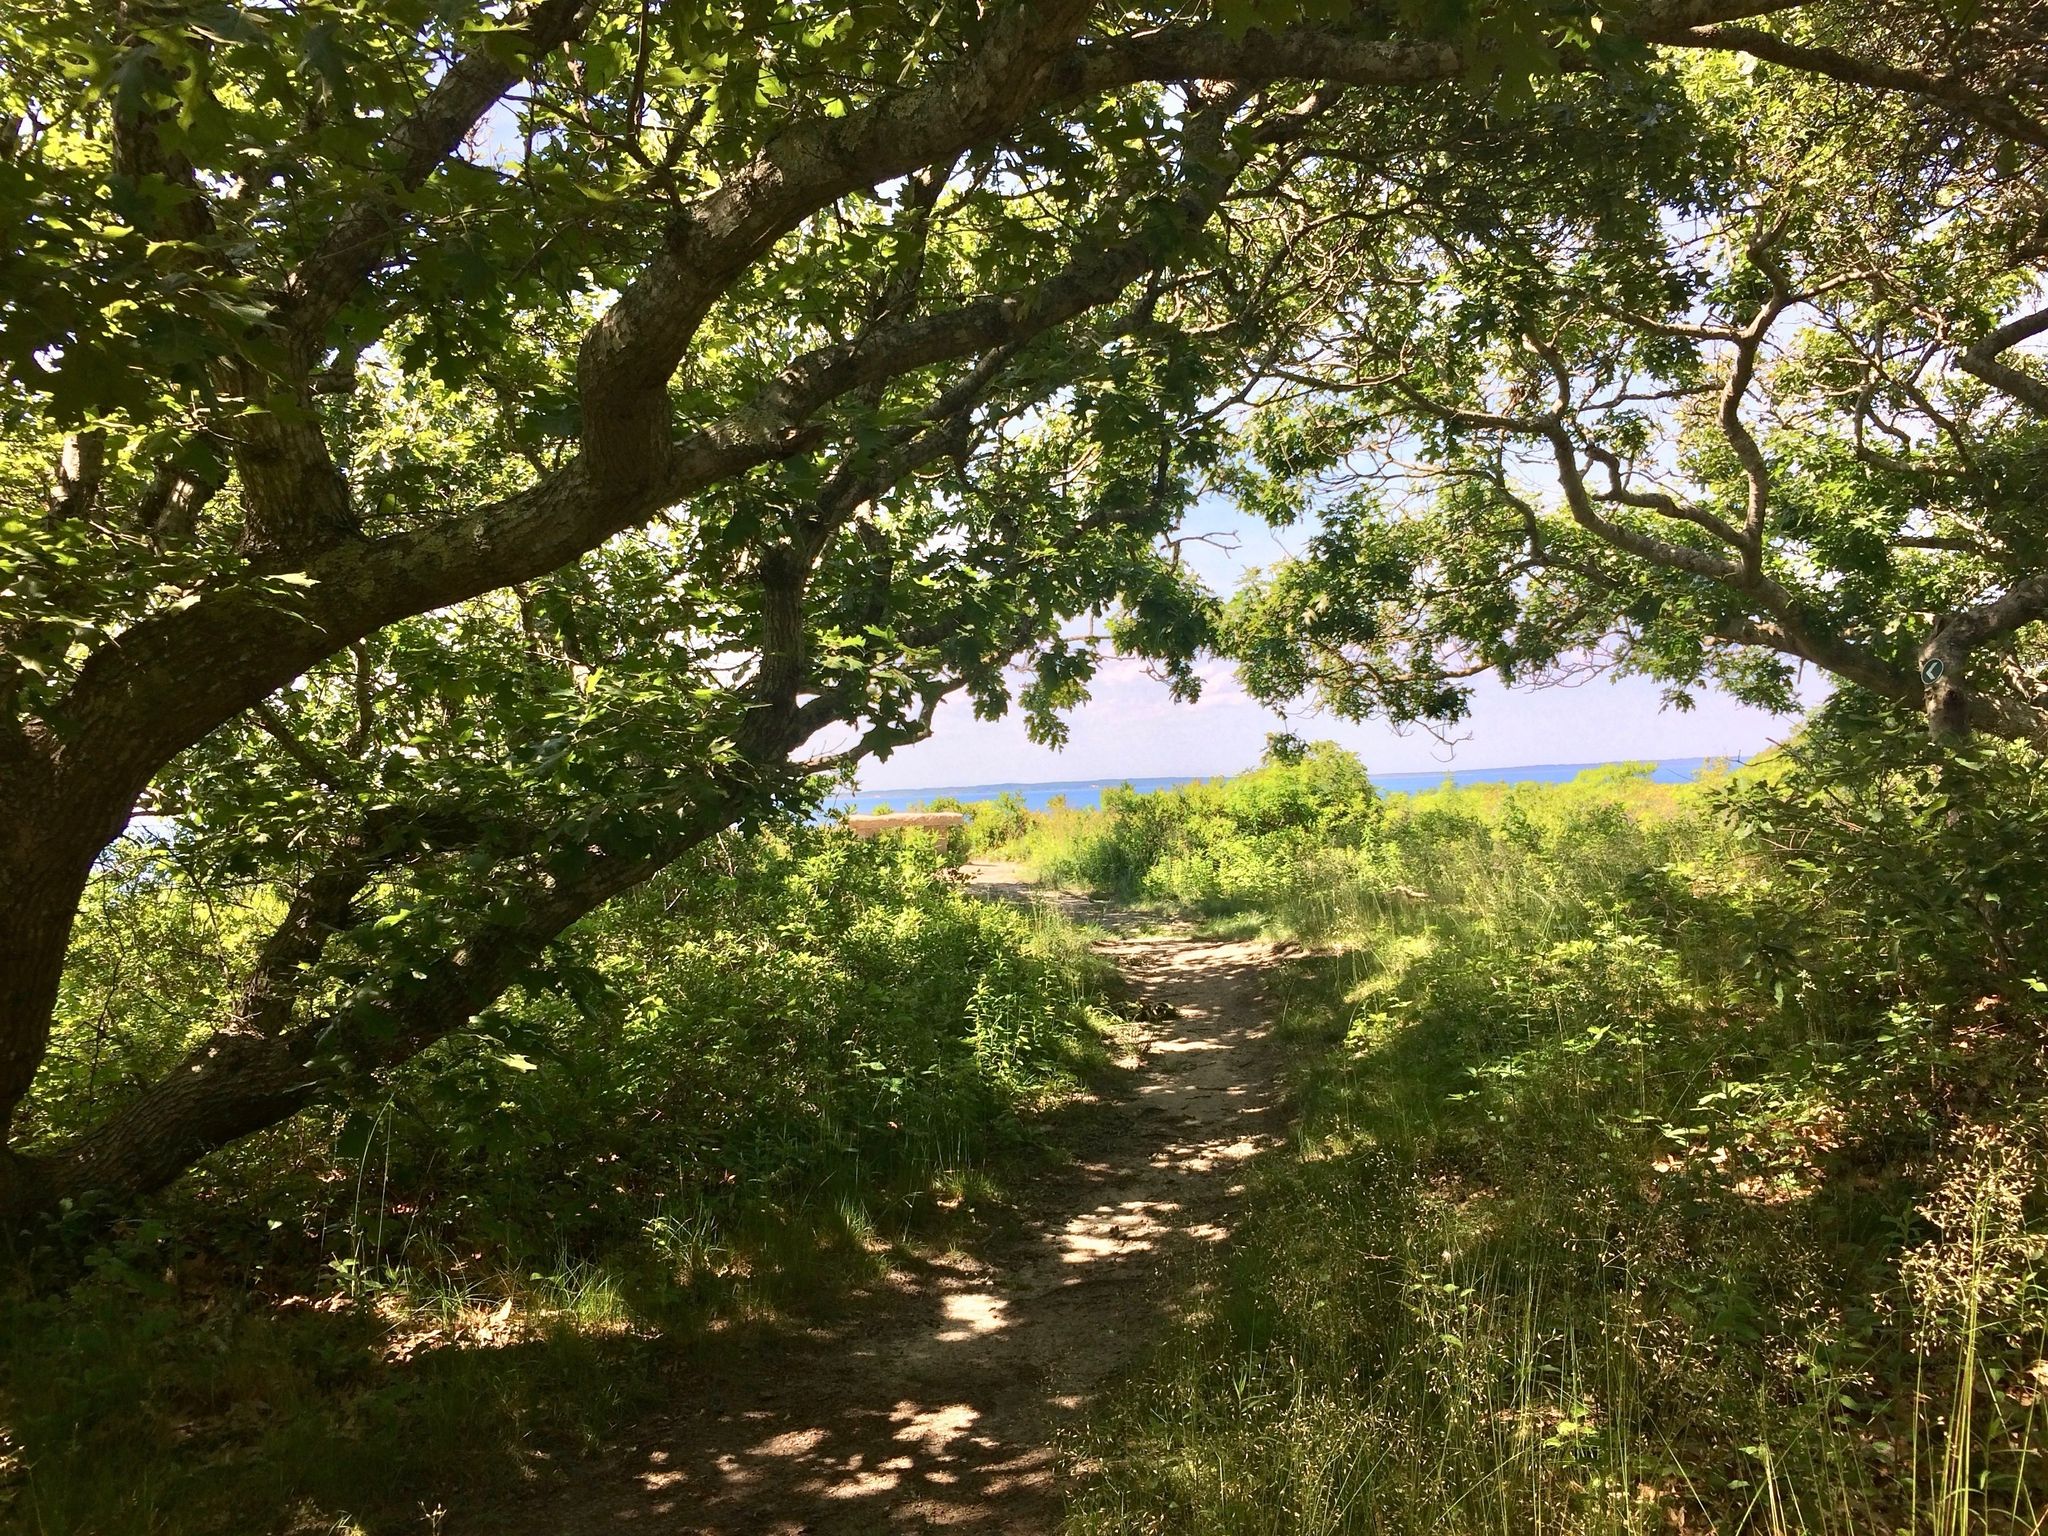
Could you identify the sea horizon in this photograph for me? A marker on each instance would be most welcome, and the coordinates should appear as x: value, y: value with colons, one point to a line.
x: 1083, y: 794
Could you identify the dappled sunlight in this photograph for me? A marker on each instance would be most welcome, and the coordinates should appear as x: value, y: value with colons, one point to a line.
x: 1112, y: 1231
x: 972, y: 1314
x: 933, y: 1430
x: 937, y: 1414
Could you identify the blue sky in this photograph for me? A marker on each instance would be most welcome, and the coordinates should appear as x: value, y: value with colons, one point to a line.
x: 1131, y: 728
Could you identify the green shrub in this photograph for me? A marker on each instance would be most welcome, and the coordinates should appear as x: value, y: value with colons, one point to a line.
x: 1304, y: 823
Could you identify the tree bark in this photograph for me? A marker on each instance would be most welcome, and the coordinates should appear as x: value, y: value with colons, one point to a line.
x: 268, y: 1062
x: 228, y: 1089
x: 48, y: 842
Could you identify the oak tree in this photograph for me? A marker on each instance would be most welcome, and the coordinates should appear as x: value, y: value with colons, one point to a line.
x: 458, y: 457
x: 1749, y: 387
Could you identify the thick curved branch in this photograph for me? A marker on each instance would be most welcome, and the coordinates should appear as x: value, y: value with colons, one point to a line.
x: 1581, y: 503
x: 1620, y: 493
x: 1344, y: 55
x: 1994, y: 112
x: 242, y: 643
x: 626, y: 361
x: 295, y: 497
x: 1952, y: 707
x: 265, y: 1065
x: 268, y: 1061
x: 356, y: 588
x: 453, y: 105
x: 1982, y: 359
x: 1032, y: 59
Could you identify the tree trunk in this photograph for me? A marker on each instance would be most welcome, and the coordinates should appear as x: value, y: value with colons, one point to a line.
x: 1947, y: 702
x: 33, y: 941
x: 47, y: 848
x: 227, y: 1089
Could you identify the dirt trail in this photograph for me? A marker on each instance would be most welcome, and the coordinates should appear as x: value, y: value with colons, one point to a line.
x: 936, y: 1407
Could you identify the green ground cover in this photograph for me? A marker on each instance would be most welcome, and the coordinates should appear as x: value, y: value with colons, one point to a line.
x: 1669, y: 1158
x: 725, y: 1102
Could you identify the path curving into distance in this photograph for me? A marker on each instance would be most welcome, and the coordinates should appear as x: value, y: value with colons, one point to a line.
x: 936, y: 1405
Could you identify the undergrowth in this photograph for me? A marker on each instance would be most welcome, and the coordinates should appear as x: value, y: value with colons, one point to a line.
x: 723, y: 1102
x: 1669, y: 1158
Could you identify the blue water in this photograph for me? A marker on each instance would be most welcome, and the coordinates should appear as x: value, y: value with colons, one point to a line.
x: 1085, y: 794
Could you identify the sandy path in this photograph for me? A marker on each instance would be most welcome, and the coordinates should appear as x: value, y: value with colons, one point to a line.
x: 936, y: 1408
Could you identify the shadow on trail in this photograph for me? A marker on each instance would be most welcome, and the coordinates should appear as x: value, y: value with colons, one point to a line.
x: 937, y: 1406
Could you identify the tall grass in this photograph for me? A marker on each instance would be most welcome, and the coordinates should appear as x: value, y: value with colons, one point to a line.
x: 1657, y: 1169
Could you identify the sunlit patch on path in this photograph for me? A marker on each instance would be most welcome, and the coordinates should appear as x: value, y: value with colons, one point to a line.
x: 937, y: 1407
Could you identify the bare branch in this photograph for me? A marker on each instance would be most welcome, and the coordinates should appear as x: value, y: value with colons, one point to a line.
x: 1741, y: 374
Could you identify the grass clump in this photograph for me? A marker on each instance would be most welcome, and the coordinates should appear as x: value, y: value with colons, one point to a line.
x: 1669, y: 1159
